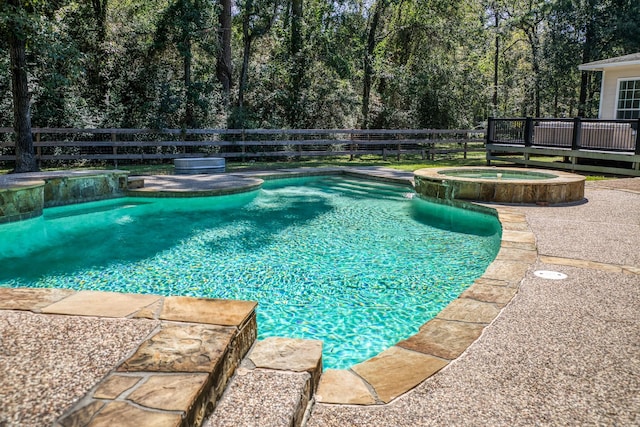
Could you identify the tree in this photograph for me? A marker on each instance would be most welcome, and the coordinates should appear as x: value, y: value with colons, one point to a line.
x: 16, y: 28
x: 257, y: 18
x: 186, y: 24
x: 224, y: 69
x: 378, y: 9
x: 530, y: 18
x: 298, y: 63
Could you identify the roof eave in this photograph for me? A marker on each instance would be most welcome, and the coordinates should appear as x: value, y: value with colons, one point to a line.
x: 602, y: 67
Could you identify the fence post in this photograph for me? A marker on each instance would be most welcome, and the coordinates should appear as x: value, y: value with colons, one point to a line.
x: 528, y: 132
x: 637, y: 152
x: 351, y: 146
x: 115, y: 149
x: 399, y: 147
x: 577, y: 132
x: 244, y: 157
x: 38, y: 149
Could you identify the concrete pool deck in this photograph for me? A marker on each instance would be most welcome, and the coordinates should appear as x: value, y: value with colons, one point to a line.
x: 561, y: 352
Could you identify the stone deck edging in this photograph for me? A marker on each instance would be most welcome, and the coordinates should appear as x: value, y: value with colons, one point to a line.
x: 176, y: 375
x: 25, y: 195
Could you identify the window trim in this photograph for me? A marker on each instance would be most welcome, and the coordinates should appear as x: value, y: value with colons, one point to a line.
x: 617, y: 100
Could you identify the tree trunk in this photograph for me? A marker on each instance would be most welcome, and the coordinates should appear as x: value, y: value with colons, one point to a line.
x: 496, y: 63
x: 296, y: 27
x: 188, y: 110
x: 297, y: 63
x: 587, y: 47
x: 25, y: 156
x: 247, y: 38
x: 98, y: 58
x: 535, y: 59
x: 368, y: 61
x: 223, y: 65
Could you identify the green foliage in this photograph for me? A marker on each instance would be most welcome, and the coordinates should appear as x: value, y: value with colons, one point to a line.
x: 152, y: 63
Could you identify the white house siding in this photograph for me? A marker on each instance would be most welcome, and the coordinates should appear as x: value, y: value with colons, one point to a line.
x: 609, y: 90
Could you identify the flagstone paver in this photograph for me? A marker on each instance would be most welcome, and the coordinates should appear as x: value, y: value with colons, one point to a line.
x: 30, y: 299
x: 396, y: 371
x: 443, y: 338
x: 201, y: 348
x: 83, y: 416
x: 169, y: 392
x: 289, y: 354
x: 506, y: 270
x: 114, y: 385
x: 343, y: 386
x: 518, y: 236
x: 103, y: 304
x: 489, y: 293
x: 202, y: 310
x: 519, y: 255
x: 123, y: 414
x: 468, y: 310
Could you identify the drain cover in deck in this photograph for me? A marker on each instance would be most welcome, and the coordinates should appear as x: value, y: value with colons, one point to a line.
x: 550, y: 275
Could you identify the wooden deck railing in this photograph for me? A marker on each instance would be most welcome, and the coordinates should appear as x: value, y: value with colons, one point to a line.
x: 135, y: 145
x: 590, y: 145
x: 575, y: 134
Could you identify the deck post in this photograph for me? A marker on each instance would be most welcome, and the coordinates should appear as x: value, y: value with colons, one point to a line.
x: 577, y: 132
x: 491, y: 126
x: 637, y: 152
x: 528, y: 132
x: 490, y: 137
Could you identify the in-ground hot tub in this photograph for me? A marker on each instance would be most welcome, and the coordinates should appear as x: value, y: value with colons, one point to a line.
x: 503, y: 185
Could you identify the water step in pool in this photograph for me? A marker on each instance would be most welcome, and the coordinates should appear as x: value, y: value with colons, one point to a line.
x: 273, y: 386
x: 358, y: 188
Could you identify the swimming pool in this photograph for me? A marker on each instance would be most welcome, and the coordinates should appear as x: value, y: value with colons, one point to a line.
x: 357, y: 264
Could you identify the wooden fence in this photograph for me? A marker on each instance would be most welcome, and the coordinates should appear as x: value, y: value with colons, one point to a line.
x: 145, y: 145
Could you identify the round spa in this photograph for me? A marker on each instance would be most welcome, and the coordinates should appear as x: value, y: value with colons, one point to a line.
x: 502, y: 185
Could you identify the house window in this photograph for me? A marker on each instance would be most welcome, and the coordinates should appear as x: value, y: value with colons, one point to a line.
x: 628, y: 99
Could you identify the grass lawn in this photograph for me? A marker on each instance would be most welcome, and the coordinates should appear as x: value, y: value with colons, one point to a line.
x: 407, y: 163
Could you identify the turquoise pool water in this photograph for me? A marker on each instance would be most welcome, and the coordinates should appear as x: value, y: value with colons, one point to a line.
x: 492, y: 173
x: 359, y: 265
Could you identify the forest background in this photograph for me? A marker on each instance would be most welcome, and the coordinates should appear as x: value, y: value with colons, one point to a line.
x: 309, y: 63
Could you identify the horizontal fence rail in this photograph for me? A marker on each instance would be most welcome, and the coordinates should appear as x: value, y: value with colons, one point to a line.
x: 141, y: 145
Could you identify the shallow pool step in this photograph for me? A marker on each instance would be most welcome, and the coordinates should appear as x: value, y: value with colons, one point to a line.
x: 359, y: 189
x: 273, y: 387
